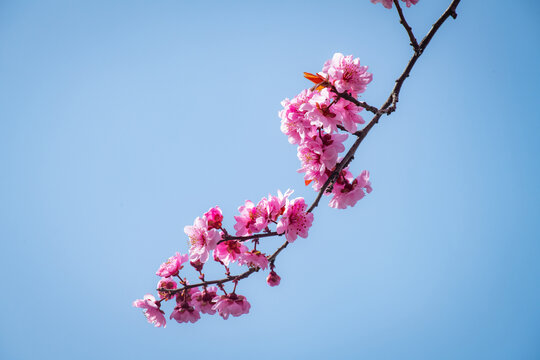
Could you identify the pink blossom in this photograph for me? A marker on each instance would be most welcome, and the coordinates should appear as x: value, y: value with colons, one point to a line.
x: 276, y: 204
x: 324, y: 112
x: 214, y: 218
x: 231, y: 304
x: 172, y: 266
x: 388, y: 3
x: 410, y: 2
x: 273, y: 279
x: 254, y: 258
x: 202, y: 240
x: 293, y: 122
x: 270, y: 209
x: 346, y: 74
x: 347, y: 191
x: 166, y: 283
x: 295, y: 220
x: 348, y: 114
x: 320, y: 113
x: 251, y: 219
x: 318, y: 155
x: 205, y: 300
x: 151, y: 309
x: 197, y: 265
x: 229, y: 251
x: 184, y: 312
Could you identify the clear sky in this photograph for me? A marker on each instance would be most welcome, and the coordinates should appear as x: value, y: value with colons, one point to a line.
x: 122, y: 121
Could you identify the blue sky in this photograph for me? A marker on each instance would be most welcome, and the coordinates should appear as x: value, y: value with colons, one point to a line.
x: 120, y: 122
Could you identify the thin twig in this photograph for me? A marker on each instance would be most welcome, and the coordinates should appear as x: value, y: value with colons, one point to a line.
x: 249, y: 237
x: 403, y: 22
x: 345, y: 95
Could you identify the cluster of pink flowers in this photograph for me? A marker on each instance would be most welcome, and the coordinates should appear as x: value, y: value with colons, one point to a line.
x: 207, y: 235
x: 388, y: 3
x: 313, y: 118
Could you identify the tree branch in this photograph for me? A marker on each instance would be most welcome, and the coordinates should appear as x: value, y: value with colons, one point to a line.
x: 249, y: 237
x: 345, y: 95
x: 388, y: 107
x: 403, y: 22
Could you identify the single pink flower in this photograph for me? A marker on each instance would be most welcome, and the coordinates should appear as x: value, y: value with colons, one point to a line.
x: 347, y: 191
x: 320, y: 111
x: 229, y: 251
x: 231, y: 304
x: 250, y: 221
x: 293, y: 121
x: 272, y: 208
x: 295, y: 220
x: 166, y: 283
x: 254, y: 258
x: 214, y: 218
x: 410, y: 2
x: 346, y: 74
x: 348, y: 115
x: 184, y: 312
x: 197, y: 265
x: 172, y: 266
x: 388, y: 3
x: 205, y: 300
x: 273, y: 279
x: 151, y: 309
x: 318, y: 155
x: 202, y: 240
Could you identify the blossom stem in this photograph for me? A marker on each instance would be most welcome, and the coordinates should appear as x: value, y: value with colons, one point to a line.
x: 249, y: 237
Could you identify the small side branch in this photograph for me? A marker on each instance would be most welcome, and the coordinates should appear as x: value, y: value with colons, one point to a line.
x: 345, y: 95
x: 249, y: 237
x: 407, y: 27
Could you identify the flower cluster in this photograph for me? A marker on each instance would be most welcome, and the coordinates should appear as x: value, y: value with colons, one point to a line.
x: 313, y: 118
x: 207, y: 237
x: 388, y: 3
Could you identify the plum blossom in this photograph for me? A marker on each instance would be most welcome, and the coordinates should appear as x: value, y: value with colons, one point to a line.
x: 229, y: 251
x: 319, y: 155
x: 172, y: 266
x: 251, y: 219
x: 202, y: 240
x: 270, y: 209
x: 214, y: 218
x: 388, y: 3
x: 273, y: 279
x: 231, y: 304
x: 254, y: 258
x: 151, y: 309
x: 184, y: 310
x: 197, y: 265
x: 320, y: 113
x: 348, y: 114
x: 293, y: 121
x: 347, y: 191
x: 166, y: 283
x: 295, y: 220
x: 346, y: 74
x: 205, y: 300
